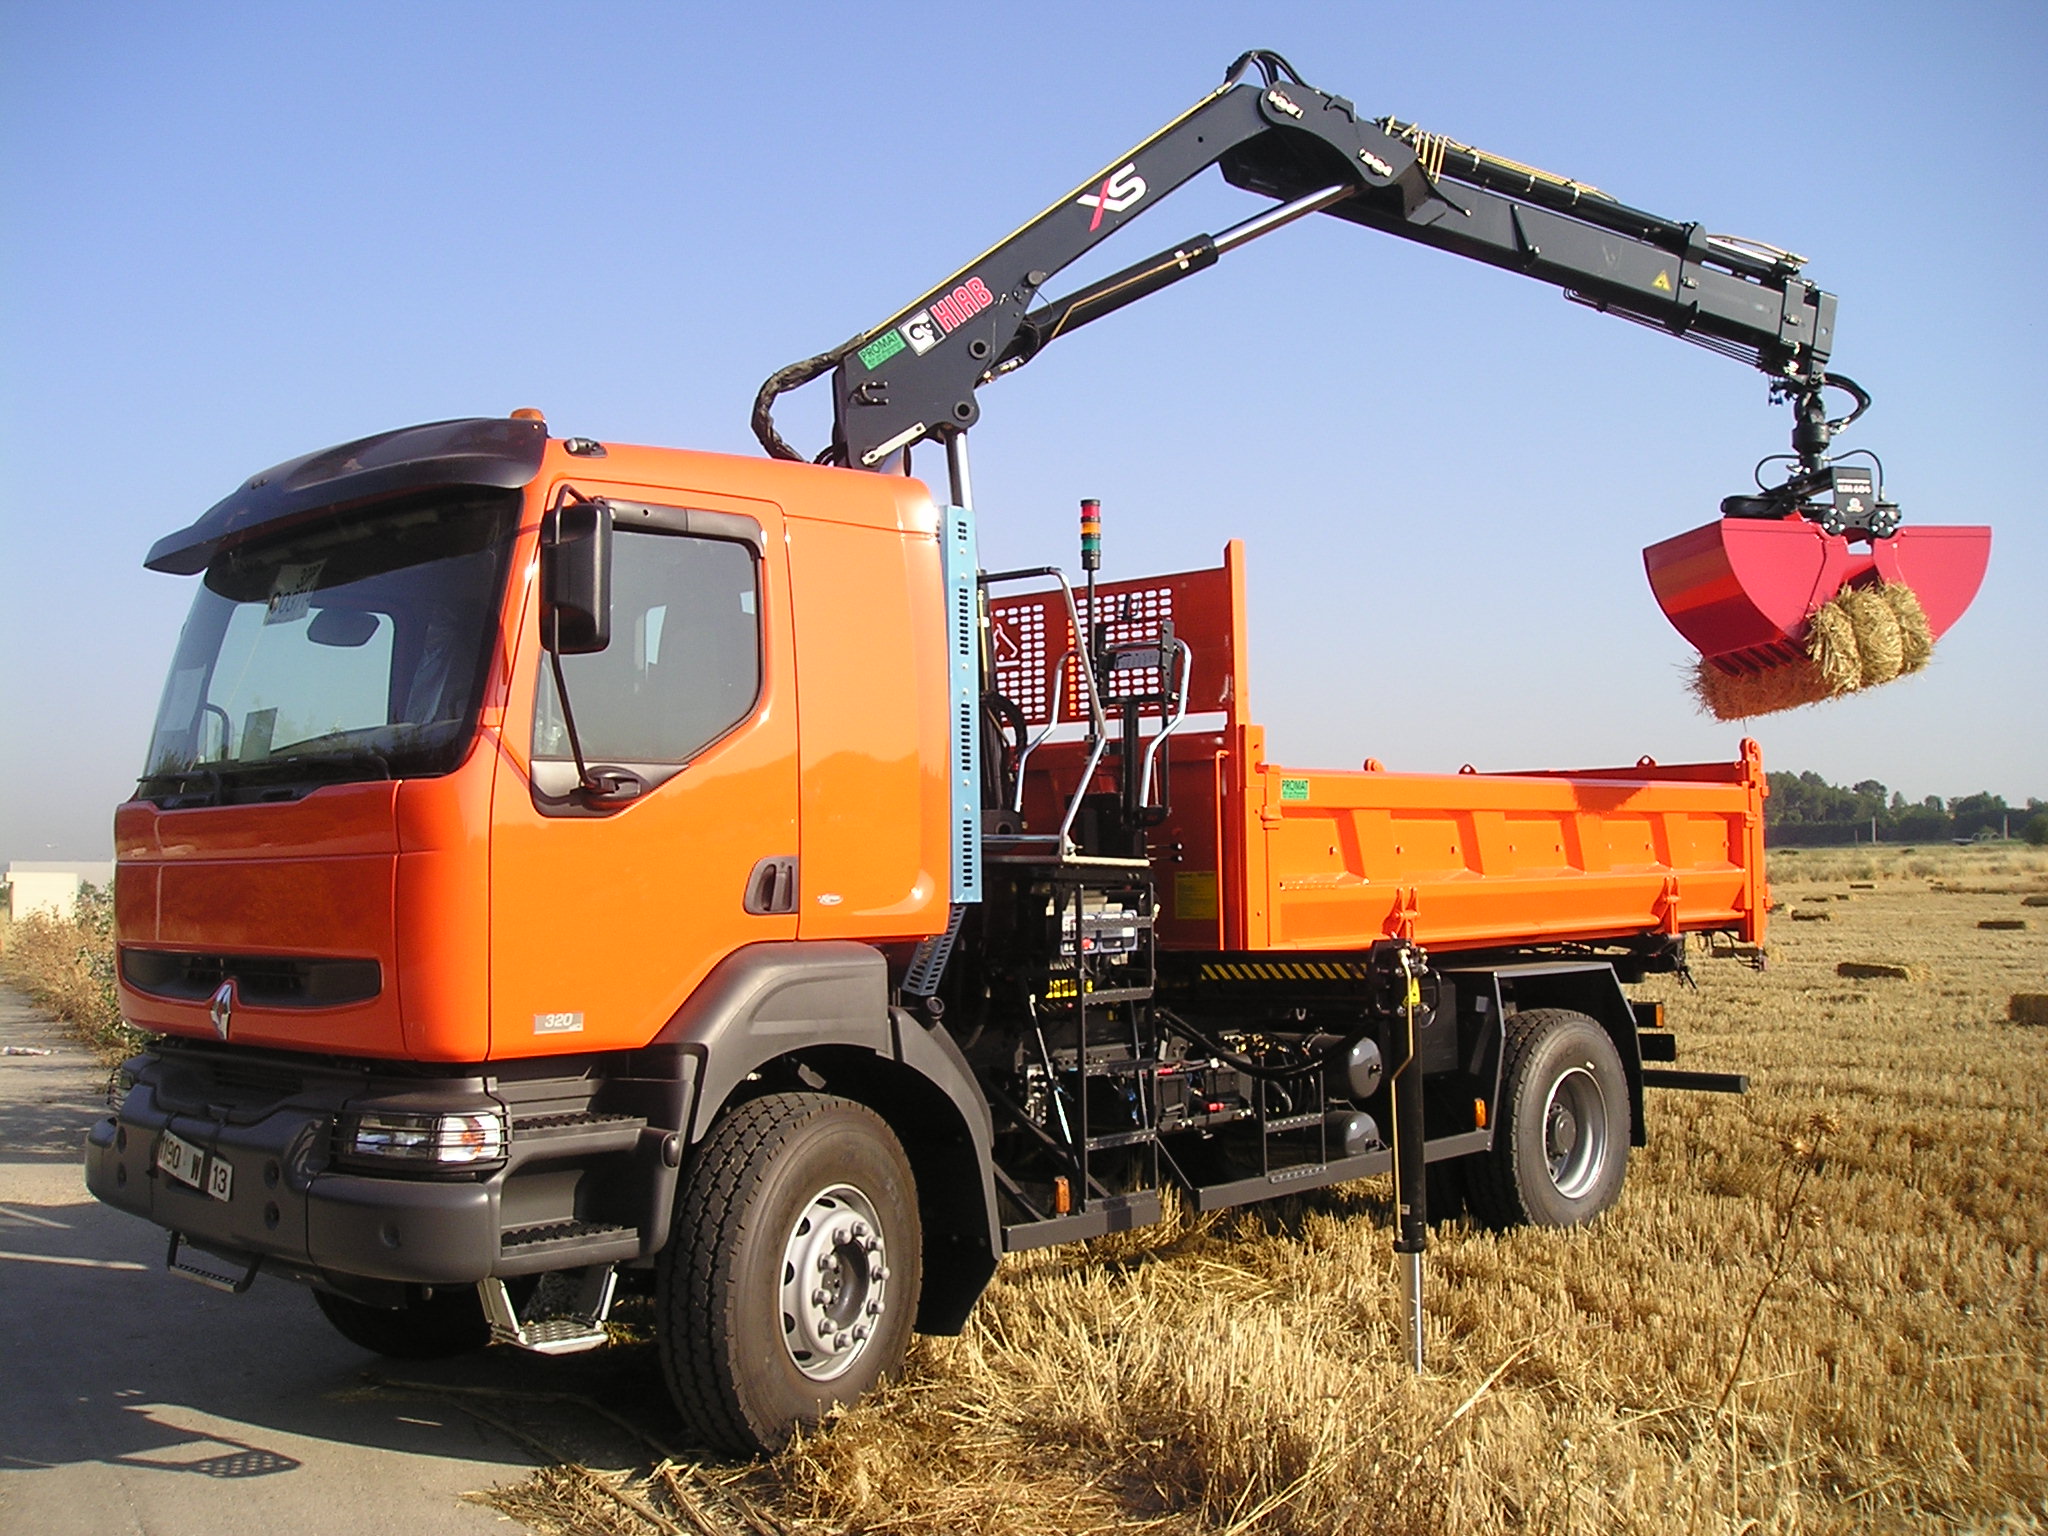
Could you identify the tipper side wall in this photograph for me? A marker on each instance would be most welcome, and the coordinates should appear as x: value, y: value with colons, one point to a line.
x: 1254, y: 855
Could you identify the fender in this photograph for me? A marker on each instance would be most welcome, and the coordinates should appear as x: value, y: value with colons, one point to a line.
x: 822, y: 1008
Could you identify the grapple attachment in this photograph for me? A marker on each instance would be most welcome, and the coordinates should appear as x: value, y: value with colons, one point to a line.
x: 1785, y: 613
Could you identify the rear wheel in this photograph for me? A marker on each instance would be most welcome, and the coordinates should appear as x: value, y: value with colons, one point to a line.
x: 448, y: 1322
x: 791, y: 1279
x: 1560, y: 1146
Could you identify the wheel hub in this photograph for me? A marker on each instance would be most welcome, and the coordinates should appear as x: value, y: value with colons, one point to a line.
x: 1575, y: 1132
x: 835, y: 1276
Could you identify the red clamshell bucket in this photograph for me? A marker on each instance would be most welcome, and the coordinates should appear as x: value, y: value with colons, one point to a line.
x: 1743, y: 589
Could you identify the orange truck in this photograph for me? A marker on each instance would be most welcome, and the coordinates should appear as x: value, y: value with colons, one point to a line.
x: 564, y: 868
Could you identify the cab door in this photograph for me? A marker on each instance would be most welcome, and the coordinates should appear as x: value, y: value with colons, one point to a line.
x: 607, y: 913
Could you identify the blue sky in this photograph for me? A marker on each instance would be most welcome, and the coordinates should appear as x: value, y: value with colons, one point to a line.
x: 230, y: 234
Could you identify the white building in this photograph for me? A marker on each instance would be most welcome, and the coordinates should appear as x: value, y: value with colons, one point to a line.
x: 44, y: 886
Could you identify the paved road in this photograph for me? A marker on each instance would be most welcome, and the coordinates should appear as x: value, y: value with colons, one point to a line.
x: 133, y: 1401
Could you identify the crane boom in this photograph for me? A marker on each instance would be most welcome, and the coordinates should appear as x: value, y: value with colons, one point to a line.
x: 915, y: 376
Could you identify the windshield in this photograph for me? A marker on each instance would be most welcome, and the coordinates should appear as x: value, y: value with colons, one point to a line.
x: 354, y: 650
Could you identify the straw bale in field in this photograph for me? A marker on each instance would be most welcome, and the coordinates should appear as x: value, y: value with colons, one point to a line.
x: 1813, y: 917
x: 2006, y: 924
x: 2034, y: 901
x: 1873, y: 970
x: 2028, y: 1008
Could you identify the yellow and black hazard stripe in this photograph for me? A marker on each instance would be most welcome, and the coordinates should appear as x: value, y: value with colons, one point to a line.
x: 1283, y: 970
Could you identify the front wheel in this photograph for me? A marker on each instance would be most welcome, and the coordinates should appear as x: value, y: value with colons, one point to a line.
x: 1560, y: 1148
x: 791, y: 1280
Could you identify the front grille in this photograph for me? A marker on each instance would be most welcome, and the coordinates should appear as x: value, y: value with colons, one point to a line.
x: 203, y: 1083
x: 261, y: 981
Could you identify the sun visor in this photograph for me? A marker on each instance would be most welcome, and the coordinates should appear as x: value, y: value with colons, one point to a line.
x: 488, y: 452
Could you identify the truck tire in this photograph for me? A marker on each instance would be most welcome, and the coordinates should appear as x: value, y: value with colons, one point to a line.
x: 791, y: 1278
x: 449, y: 1322
x: 1560, y: 1144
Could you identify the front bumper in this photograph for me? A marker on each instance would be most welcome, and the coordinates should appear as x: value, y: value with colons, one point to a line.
x: 292, y: 1206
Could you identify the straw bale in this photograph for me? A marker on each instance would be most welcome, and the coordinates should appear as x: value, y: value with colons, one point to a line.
x: 1880, y: 652
x: 1857, y: 639
x: 2005, y: 924
x: 2028, y: 1008
x: 1870, y: 970
x: 1813, y: 917
x: 2034, y: 901
x: 1831, y: 646
x: 1916, y: 635
x: 1786, y: 686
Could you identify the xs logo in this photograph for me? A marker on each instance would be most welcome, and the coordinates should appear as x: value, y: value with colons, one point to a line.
x: 1120, y: 191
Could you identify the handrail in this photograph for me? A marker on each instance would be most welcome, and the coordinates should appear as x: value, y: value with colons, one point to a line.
x: 1098, y: 722
x: 1168, y: 727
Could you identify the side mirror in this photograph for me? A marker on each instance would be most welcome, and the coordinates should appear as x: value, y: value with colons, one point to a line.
x: 576, y: 578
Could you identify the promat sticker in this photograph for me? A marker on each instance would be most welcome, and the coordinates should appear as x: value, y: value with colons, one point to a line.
x: 292, y: 593
x: 881, y: 349
x: 1294, y: 789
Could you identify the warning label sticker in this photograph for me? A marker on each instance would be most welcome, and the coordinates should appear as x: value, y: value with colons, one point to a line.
x: 1194, y: 895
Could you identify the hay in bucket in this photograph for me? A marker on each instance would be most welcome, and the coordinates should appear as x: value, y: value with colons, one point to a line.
x: 1916, y: 635
x: 1742, y: 695
x: 1879, y: 651
x: 1857, y: 639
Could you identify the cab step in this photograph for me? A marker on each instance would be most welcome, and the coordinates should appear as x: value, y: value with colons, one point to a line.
x: 564, y: 1244
x: 577, y: 1328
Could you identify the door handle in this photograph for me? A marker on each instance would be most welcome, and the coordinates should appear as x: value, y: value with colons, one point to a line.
x: 771, y: 888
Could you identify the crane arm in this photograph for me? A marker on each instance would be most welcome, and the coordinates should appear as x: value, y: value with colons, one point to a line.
x: 916, y: 375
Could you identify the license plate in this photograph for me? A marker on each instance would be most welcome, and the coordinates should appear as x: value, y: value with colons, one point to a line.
x: 189, y: 1164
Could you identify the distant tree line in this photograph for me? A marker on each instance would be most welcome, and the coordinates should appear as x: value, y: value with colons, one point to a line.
x: 1805, y: 810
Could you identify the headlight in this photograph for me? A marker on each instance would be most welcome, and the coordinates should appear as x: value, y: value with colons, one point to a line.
x: 440, y: 1141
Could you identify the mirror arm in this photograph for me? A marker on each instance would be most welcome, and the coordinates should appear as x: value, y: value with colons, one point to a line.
x: 583, y: 778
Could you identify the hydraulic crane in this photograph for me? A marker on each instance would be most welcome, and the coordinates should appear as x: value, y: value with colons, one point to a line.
x: 1755, y: 591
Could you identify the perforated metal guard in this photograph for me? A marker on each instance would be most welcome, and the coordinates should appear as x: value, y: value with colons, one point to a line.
x: 1030, y: 634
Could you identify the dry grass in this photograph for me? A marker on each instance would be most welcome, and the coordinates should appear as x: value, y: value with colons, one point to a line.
x: 1820, y: 1308
x: 67, y: 966
x: 1981, y: 869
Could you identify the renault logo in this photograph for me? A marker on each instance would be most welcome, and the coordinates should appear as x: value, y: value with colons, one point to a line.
x: 222, y: 1009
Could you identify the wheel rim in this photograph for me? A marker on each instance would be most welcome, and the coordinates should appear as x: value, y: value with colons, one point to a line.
x: 1575, y: 1132
x: 835, y: 1277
